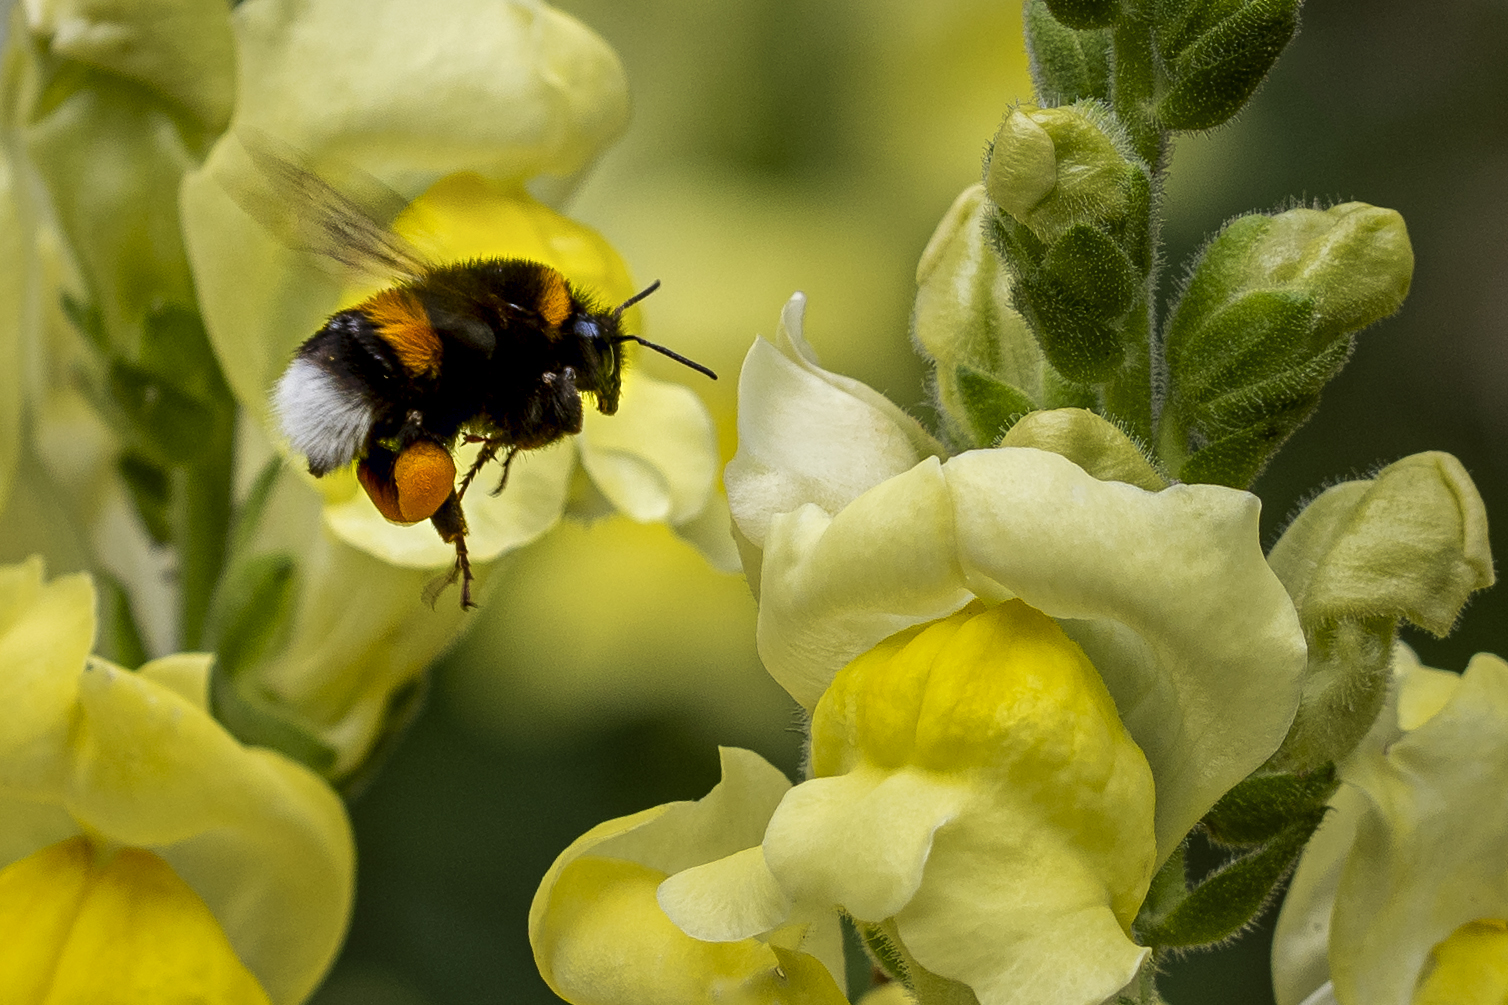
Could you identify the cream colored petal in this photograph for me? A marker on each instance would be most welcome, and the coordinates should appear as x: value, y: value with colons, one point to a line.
x: 1037, y: 933
x: 12, y: 289
x: 833, y: 587
x: 656, y: 459
x: 263, y: 841
x: 1430, y: 849
x: 1170, y: 597
x: 861, y: 840
x: 414, y: 91
x: 730, y: 898
x: 809, y: 436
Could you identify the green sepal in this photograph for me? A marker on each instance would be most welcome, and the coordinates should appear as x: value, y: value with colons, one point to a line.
x: 119, y: 638
x: 1066, y: 65
x: 1250, y: 339
x: 1078, y: 344
x: 151, y: 491
x: 257, y: 722
x: 1215, y: 74
x: 1082, y: 14
x: 1090, y: 441
x: 1089, y: 269
x: 884, y: 945
x: 885, y: 953
x: 250, y: 609
x: 1410, y: 544
x: 1261, y: 806
x: 1230, y: 898
x: 991, y: 405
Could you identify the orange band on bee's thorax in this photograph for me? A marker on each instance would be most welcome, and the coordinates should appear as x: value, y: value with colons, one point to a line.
x: 402, y: 323
x: 554, y: 299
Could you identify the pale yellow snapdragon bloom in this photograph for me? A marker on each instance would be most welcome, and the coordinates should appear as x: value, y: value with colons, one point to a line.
x: 476, y: 110
x: 1401, y: 898
x: 1026, y: 685
x: 145, y: 855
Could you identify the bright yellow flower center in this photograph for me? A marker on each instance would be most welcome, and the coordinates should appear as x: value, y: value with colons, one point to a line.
x: 1470, y: 967
x: 85, y: 927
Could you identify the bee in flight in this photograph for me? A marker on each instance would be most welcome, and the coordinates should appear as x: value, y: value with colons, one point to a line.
x: 496, y: 351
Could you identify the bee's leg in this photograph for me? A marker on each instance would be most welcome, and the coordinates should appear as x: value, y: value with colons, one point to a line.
x: 451, y: 523
x: 507, y: 463
x: 492, y: 445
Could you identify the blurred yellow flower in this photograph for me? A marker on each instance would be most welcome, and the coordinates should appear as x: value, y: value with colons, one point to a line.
x: 145, y: 855
x: 1401, y: 898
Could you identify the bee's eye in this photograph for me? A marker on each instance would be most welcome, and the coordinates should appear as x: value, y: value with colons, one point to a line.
x: 586, y: 328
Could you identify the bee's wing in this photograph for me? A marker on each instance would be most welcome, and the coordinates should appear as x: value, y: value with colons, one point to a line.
x: 347, y: 224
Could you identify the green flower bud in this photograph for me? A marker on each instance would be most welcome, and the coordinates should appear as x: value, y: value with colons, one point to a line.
x: 1411, y: 545
x: 1217, y: 52
x: 1053, y: 169
x: 1265, y: 322
x: 1091, y: 442
x: 1084, y: 13
x: 1066, y: 65
x: 989, y: 368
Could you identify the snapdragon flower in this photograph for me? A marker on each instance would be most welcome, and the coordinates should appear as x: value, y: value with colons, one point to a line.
x: 1402, y: 896
x: 145, y: 854
x: 1026, y: 684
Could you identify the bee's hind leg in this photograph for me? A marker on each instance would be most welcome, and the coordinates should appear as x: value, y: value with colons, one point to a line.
x: 451, y: 524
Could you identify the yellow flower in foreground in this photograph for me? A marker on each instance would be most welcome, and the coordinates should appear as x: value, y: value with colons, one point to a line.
x: 976, y: 795
x: 600, y: 937
x: 1401, y: 898
x: 145, y: 855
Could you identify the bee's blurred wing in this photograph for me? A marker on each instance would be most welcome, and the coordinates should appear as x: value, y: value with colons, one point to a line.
x: 345, y: 221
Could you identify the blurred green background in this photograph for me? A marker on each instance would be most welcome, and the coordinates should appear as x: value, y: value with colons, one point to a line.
x: 779, y: 146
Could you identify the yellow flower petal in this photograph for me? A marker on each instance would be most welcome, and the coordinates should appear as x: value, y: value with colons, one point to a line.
x: 120, y: 928
x: 1469, y: 968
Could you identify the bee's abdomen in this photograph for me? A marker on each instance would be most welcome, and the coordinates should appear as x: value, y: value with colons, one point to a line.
x: 340, y: 385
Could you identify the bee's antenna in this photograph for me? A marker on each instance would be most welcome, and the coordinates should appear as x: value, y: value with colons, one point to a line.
x: 625, y: 305
x: 618, y: 313
x: 666, y: 352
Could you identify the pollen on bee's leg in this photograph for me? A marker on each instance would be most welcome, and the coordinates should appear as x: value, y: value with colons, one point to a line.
x: 375, y: 472
x: 424, y: 476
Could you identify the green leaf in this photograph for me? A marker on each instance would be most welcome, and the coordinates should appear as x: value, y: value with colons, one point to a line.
x: 1089, y: 270
x: 1215, y: 75
x: 1066, y: 65
x: 1082, y: 14
x: 1229, y: 899
x: 991, y: 405
x: 1259, y: 808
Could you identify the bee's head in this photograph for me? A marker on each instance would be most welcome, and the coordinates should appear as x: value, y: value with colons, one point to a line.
x: 602, y: 358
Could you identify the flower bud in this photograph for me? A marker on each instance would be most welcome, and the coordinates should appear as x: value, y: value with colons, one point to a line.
x: 1265, y: 322
x: 1066, y: 65
x: 1052, y: 169
x: 989, y: 368
x: 1084, y: 13
x: 1410, y: 545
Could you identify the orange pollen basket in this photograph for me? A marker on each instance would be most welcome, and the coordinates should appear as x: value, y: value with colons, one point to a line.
x: 423, y: 478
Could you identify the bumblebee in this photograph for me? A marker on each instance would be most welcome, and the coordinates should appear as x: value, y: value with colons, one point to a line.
x: 497, y: 351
